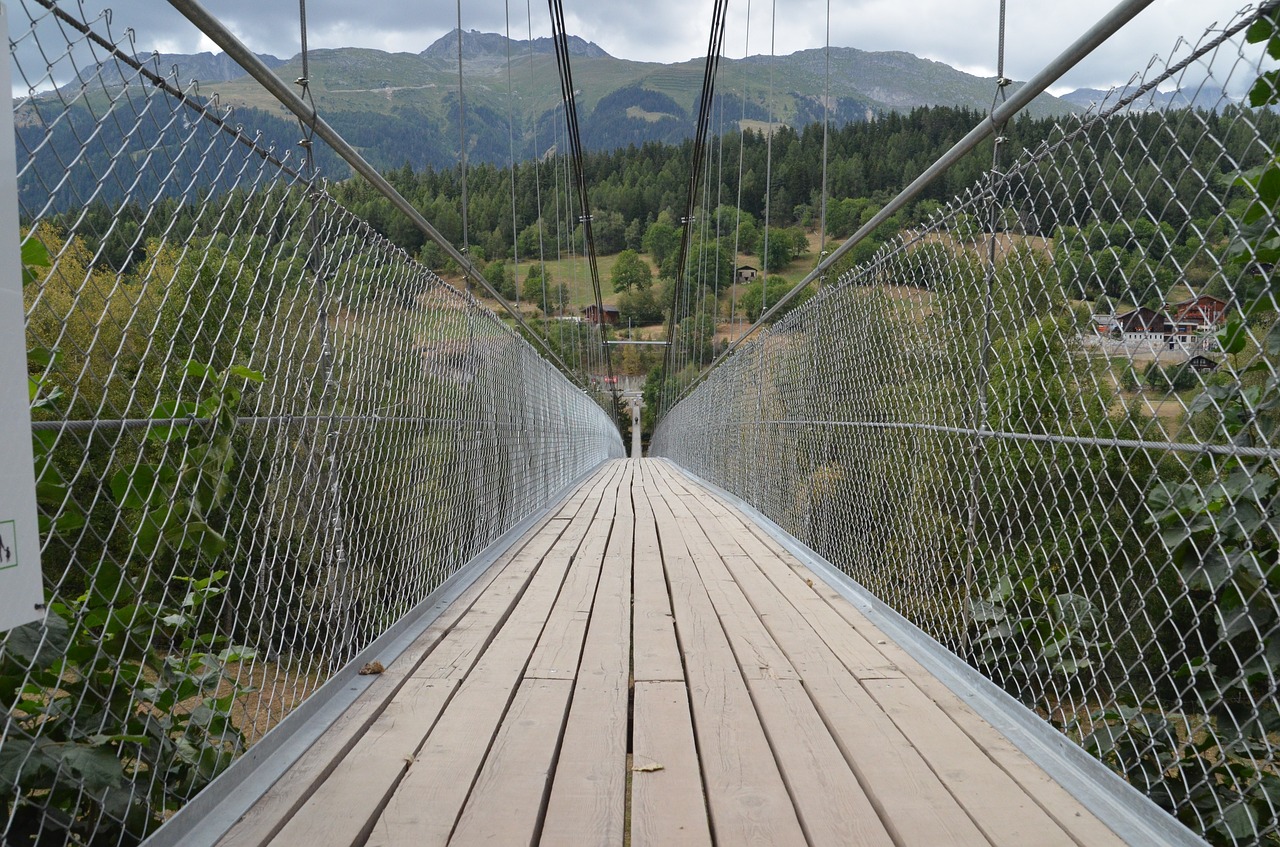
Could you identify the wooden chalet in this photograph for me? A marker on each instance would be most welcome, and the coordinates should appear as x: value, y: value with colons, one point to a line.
x: 610, y: 315
x: 1143, y: 321
x: 1204, y: 311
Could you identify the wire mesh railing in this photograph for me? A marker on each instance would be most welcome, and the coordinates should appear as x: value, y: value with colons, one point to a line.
x: 262, y: 435
x: 1044, y: 428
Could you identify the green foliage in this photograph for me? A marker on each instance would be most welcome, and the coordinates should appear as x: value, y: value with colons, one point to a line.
x: 661, y: 240
x: 641, y: 307
x: 122, y: 709
x: 498, y: 274
x: 1177, y: 378
x: 1027, y: 630
x: 1220, y: 531
x: 630, y: 271
x: 123, y: 712
x: 176, y: 499
x: 757, y: 297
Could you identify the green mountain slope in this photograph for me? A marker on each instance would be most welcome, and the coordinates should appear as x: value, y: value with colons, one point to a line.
x: 403, y: 107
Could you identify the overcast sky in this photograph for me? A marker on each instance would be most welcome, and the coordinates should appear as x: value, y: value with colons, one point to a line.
x: 961, y: 33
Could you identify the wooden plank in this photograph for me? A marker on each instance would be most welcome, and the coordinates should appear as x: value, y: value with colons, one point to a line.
x: 745, y: 793
x: 1059, y: 804
x: 912, y: 802
x: 587, y: 805
x: 996, y: 803
x: 668, y: 808
x: 560, y: 645
x: 507, y: 800
x: 273, y: 810
x: 655, y: 654
x: 753, y: 647
x: 1064, y: 809
x: 1056, y: 801
x: 833, y: 807
x: 427, y: 801
x: 725, y: 527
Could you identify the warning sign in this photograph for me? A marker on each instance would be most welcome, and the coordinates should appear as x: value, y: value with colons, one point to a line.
x: 21, y: 594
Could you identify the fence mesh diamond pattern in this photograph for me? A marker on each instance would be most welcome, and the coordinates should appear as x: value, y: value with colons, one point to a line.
x: 262, y: 435
x: 1044, y: 429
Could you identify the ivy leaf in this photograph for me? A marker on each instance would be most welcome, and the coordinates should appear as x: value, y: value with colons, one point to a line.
x: 172, y: 412
x: 1240, y: 822
x: 246, y: 373
x: 40, y: 643
x: 1264, y: 89
x: 1233, y: 337
x: 96, y: 768
x: 34, y: 255
x: 199, y: 370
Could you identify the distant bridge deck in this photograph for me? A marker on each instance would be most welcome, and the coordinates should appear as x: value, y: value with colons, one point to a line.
x: 647, y: 666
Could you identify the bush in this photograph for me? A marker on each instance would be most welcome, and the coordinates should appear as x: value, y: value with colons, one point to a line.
x: 1174, y: 378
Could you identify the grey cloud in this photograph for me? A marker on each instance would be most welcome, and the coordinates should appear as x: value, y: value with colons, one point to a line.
x: 959, y: 32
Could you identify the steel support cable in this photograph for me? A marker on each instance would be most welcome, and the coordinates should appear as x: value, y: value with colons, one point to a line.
x: 537, y: 182
x: 715, y: 45
x: 193, y: 11
x: 768, y: 160
x: 559, y: 38
x: 1106, y: 27
x: 984, y: 357
x: 511, y: 154
x: 826, y: 122
x: 337, y: 603
x: 462, y: 140
x: 742, y: 150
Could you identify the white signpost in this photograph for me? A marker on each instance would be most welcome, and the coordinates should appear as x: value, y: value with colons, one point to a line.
x: 21, y: 594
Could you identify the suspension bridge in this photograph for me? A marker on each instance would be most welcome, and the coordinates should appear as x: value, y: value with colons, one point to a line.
x: 971, y: 537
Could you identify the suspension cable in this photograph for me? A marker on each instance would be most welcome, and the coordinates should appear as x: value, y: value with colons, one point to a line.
x: 462, y: 139
x: 826, y: 123
x: 984, y: 360
x: 560, y: 39
x: 742, y: 151
x: 715, y: 45
x: 537, y: 183
x: 1107, y: 26
x: 768, y: 160
x: 511, y: 147
x: 193, y: 11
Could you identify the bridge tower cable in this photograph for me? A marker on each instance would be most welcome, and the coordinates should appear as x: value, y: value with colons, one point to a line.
x: 560, y: 39
x: 715, y: 45
x: 768, y: 160
x: 338, y: 605
x: 537, y: 183
x: 511, y: 160
x: 979, y: 421
x: 826, y: 125
x: 734, y: 322
x: 462, y: 140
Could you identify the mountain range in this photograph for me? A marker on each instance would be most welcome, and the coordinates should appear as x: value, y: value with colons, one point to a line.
x: 399, y: 108
x: 402, y: 108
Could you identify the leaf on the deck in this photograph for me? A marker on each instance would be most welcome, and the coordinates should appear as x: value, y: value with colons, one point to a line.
x: 646, y: 768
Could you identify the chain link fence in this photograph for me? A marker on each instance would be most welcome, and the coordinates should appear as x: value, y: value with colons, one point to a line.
x: 1044, y: 429
x: 262, y: 435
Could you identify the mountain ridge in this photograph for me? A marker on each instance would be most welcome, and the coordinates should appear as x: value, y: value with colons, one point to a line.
x: 403, y: 107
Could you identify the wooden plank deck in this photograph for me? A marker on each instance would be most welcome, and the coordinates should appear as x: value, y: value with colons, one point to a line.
x: 649, y: 667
